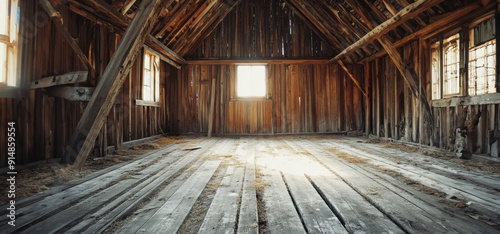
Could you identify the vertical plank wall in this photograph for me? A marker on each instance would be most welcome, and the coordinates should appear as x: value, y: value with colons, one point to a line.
x: 302, y: 98
x: 44, y: 124
x: 393, y: 111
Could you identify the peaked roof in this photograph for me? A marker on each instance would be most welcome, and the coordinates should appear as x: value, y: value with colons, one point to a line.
x: 345, y: 24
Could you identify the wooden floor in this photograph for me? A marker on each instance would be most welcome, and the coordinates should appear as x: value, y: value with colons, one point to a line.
x: 308, y: 184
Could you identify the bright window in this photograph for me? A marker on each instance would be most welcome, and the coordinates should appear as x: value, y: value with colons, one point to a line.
x: 151, y: 78
x: 436, y: 70
x: 482, y: 58
x: 451, y: 66
x: 9, y: 21
x: 251, y: 81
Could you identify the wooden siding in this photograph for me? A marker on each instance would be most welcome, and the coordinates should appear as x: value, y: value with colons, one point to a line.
x: 395, y: 113
x: 301, y: 99
x: 44, y: 124
x: 262, y: 29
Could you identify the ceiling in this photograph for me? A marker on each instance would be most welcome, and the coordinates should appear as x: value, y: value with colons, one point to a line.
x: 183, y: 24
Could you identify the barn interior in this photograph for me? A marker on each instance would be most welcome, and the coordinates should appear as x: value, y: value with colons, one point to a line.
x: 249, y: 116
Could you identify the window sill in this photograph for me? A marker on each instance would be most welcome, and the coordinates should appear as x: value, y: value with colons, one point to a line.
x: 147, y: 103
x: 484, y: 99
x: 250, y: 99
x: 10, y: 92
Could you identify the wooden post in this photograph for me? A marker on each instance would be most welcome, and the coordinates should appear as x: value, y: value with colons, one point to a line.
x: 107, y: 89
x: 212, y: 108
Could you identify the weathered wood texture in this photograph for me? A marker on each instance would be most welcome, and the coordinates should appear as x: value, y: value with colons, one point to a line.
x: 302, y: 98
x: 395, y: 112
x: 262, y: 29
x: 44, y: 123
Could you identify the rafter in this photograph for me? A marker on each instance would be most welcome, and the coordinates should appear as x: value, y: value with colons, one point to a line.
x: 382, y: 29
x: 58, y: 21
x: 408, y: 73
x: 121, y: 23
x: 107, y: 89
x: 207, y: 27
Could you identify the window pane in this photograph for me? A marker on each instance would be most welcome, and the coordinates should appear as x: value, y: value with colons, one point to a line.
x: 3, y: 63
x: 451, y: 59
x: 4, y: 17
x: 157, y: 79
x: 436, y: 71
x: 482, y: 68
x: 147, y: 61
x: 251, y: 81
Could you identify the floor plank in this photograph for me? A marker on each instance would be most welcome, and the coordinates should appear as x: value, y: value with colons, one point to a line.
x: 170, y: 216
x: 248, y: 216
x: 281, y: 215
x: 288, y: 184
x: 222, y: 214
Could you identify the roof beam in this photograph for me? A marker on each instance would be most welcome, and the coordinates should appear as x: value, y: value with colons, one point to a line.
x: 108, y: 87
x: 408, y: 73
x: 402, y: 16
x: 122, y: 23
x: 58, y: 21
x: 438, y: 26
x: 126, y: 6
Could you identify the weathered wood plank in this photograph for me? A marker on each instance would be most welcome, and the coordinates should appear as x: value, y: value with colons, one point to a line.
x: 68, y: 78
x: 248, y: 216
x: 221, y: 216
x: 357, y: 213
x: 170, y: 216
x: 317, y: 216
x: 402, y: 16
x: 100, y: 104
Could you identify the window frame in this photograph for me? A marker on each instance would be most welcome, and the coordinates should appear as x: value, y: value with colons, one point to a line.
x: 155, y: 74
x: 464, y: 50
x: 10, y: 87
x: 235, y: 95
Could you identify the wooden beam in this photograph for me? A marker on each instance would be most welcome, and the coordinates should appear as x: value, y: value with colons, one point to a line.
x: 108, y: 87
x: 57, y: 19
x: 409, y: 75
x: 162, y: 57
x: 352, y: 77
x: 120, y: 22
x: 402, y: 16
x: 64, y: 79
x: 82, y: 94
x: 126, y: 6
x: 438, y: 26
x: 160, y: 47
x: 216, y: 61
x: 411, y: 79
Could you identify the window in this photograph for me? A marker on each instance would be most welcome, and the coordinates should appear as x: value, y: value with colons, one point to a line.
x: 482, y: 58
x: 476, y: 60
x: 251, y: 81
x: 9, y: 21
x: 151, y: 78
x: 451, y: 66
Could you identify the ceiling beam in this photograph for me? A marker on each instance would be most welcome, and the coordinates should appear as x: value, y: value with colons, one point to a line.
x: 402, y: 16
x: 409, y: 75
x: 126, y: 6
x: 438, y: 26
x: 122, y: 23
x: 104, y: 96
x: 58, y: 21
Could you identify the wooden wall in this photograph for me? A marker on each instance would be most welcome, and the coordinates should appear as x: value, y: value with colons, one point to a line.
x: 262, y: 29
x: 303, y: 98
x: 393, y: 112
x: 44, y: 124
